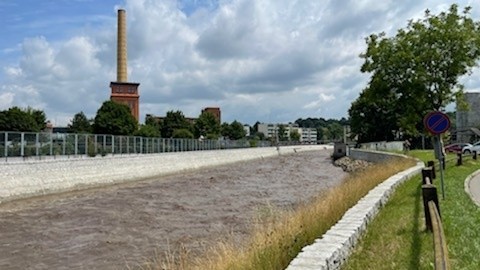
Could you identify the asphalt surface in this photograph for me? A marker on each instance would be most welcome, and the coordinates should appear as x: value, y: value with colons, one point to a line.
x: 473, y: 187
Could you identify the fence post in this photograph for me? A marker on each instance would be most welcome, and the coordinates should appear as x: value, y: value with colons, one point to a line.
x: 459, y: 159
x: 22, y: 144
x: 427, y: 173
x: 429, y: 193
x: 431, y: 164
x: 5, y: 151
x: 475, y: 155
x: 37, y: 144
x: 76, y: 145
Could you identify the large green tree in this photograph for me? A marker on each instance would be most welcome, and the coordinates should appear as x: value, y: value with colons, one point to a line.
x: 147, y: 131
x: 207, y: 126
x: 416, y: 71
x: 233, y: 131
x: 114, y: 118
x: 24, y: 120
x: 372, y: 117
x: 172, y: 121
x: 80, y: 124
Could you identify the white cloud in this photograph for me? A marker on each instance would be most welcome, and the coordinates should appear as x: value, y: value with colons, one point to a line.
x: 270, y: 60
x: 6, y: 100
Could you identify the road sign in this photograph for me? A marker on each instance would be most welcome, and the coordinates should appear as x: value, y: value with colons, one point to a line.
x: 436, y: 122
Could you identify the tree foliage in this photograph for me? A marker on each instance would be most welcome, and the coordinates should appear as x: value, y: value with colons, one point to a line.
x: 282, y: 133
x: 147, y: 131
x: 295, y: 136
x: 327, y: 130
x: 414, y: 72
x: 233, y: 131
x: 182, y: 133
x: 172, y: 121
x: 114, y: 118
x: 207, y: 126
x: 80, y: 124
x: 23, y: 120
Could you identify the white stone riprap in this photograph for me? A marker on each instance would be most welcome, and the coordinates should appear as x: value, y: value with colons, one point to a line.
x: 333, y: 248
x: 24, y: 178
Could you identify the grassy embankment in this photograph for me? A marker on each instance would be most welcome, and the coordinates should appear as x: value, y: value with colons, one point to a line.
x: 274, y: 244
x: 397, y: 238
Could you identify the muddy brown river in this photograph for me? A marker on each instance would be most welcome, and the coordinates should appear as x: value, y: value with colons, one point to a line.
x: 123, y: 226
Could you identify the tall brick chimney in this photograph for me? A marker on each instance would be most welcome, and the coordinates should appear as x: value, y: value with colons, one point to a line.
x: 123, y: 91
x: 122, y: 47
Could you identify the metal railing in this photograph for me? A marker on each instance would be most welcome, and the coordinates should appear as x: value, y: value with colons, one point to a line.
x: 29, y: 144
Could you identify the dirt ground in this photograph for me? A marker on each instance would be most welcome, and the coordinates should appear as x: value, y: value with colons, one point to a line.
x: 122, y: 226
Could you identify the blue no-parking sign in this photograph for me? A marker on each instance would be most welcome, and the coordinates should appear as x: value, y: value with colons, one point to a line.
x: 436, y: 122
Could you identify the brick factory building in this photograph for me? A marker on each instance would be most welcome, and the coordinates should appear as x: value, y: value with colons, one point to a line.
x: 123, y: 91
x: 215, y: 111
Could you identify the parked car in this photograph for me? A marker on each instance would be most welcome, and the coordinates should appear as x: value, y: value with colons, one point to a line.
x: 455, y: 147
x: 472, y: 147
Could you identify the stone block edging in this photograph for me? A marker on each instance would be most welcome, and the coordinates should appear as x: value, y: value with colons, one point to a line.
x: 333, y: 248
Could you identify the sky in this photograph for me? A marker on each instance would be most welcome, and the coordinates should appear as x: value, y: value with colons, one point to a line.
x: 271, y: 61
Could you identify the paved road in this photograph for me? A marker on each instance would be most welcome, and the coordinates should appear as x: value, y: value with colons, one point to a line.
x: 474, y: 188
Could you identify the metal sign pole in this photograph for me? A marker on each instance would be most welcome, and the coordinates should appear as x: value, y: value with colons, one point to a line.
x: 441, y: 160
x: 437, y: 123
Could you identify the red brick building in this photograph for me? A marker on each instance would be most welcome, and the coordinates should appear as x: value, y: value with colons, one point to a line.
x: 126, y: 93
x: 215, y: 111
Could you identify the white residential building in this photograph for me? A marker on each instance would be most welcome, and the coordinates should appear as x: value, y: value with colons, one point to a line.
x: 308, y: 135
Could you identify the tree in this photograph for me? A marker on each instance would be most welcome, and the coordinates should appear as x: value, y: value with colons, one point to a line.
x: 147, y: 131
x: 259, y: 135
x: 39, y: 118
x: 295, y: 136
x: 233, y: 131
x: 236, y: 130
x: 373, y: 120
x: 154, y: 122
x: 282, y: 133
x: 80, y: 124
x: 207, y: 126
x: 28, y: 120
x: 418, y: 70
x: 114, y: 118
x: 182, y: 133
x: 172, y: 121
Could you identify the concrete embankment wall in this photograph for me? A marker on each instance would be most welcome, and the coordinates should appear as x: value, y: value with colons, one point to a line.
x: 372, y: 156
x: 22, y: 179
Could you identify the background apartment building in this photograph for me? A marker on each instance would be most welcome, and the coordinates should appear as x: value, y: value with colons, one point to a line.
x: 307, y: 135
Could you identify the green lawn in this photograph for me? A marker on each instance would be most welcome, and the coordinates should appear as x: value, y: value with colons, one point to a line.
x: 397, y: 238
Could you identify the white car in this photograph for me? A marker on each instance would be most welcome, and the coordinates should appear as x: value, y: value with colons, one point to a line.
x: 471, y: 148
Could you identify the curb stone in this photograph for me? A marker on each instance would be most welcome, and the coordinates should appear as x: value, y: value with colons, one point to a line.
x: 331, y: 250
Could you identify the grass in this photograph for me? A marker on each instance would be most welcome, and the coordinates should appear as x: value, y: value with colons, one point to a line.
x: 276, y: 242
x: 397, y: 238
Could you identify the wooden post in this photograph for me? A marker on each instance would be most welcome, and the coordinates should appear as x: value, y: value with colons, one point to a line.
x: 431, y: 163
x: 427, y: 173
x: 429, y: 193
x: 459, y: 159
x: 475, y: 155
